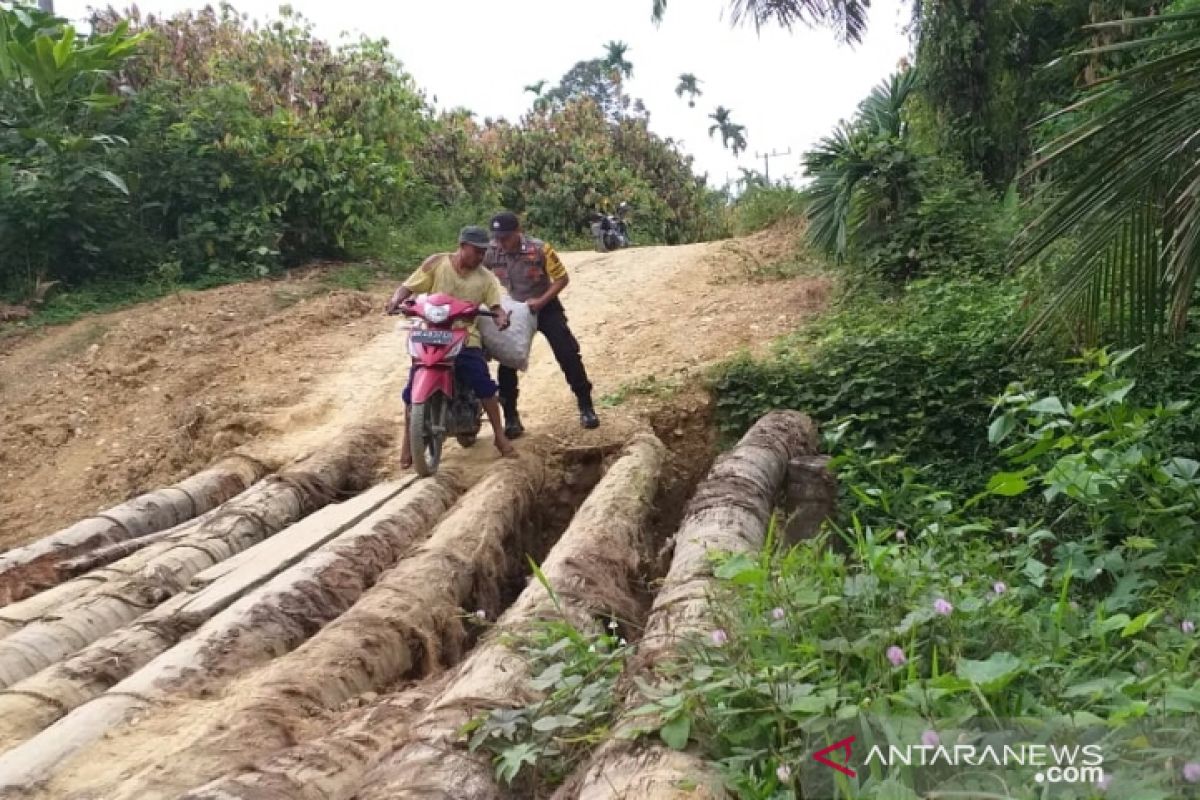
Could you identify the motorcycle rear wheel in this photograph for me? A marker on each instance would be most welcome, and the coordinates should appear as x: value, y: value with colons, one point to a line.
x: 425, y: 441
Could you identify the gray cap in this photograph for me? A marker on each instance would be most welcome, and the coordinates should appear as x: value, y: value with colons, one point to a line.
x: 474, y: 235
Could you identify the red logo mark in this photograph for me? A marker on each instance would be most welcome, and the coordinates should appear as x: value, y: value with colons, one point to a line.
x: 844, y: 744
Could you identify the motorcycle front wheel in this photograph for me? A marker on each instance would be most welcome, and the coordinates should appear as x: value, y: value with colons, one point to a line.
x: 426, y: 433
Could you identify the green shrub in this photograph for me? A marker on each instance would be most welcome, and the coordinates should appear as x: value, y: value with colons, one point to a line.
x: 226, y: 150
x: 962, y: 623
x: 760, y: 207
x: 917, y: 373
x: 940, y: 625
x: 954, y: 227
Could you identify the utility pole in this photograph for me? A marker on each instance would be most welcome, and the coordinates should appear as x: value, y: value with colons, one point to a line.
x: 766, y: 157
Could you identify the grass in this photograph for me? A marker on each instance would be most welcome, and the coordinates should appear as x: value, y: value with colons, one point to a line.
x: 649, y: 386
x: 69, y: 306
x: 352, y: 277
x: 752, y: 271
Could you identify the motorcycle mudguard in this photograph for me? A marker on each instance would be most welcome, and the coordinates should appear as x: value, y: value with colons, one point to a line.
x: 428, y: 380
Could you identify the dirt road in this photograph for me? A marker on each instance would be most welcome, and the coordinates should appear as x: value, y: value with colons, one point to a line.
x: 290, y: 370
x: 119, y: 404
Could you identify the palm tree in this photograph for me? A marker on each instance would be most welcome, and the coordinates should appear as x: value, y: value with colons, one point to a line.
x: 540, y: 101
x: 1126, y: 183
x: 689, y: 84
x: 859, y: 175
x: 615, y: 59
x: 720, y: 119
x: 733, y: 135
x: 848, y: 18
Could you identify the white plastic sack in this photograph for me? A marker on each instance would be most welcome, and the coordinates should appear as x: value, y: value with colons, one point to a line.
x: 510, y: 346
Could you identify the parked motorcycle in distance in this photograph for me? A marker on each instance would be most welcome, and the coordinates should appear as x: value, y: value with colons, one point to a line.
x: 610, y: 231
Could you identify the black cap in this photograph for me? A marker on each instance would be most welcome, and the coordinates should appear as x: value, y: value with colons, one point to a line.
x: 505, y: 222
x: 475, y: 236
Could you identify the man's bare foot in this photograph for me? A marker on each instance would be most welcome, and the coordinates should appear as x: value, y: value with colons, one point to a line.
x: 406, y: 459
x: 506, y: 449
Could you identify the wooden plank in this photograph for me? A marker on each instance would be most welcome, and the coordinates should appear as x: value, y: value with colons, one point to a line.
x: 305, y: 536
x: 267, y: 559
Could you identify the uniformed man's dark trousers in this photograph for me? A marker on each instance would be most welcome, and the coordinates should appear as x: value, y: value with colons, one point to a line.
x: 552, y: 322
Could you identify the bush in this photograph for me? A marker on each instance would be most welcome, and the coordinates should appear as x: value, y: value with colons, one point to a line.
x: 403, y: 245
x: 917, y: 373
x: 936, y: 626
x: 224, y: 150
x: 954, y: 226
x: 205, y: 161
x: 560, y: 167
x: 968, y: 629
x: 760, y: 207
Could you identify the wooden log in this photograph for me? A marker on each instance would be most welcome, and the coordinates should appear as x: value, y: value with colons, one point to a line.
x: 408, y: 625
x: 33, y: 568
x: 812, y: 494
x: 595, y: 570
x: 729, y: 513
x: 18, y: 615
x: 371, y: 531
x: 281, y: 501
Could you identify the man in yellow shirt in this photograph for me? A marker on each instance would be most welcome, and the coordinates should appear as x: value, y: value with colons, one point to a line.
x: 458, y: 274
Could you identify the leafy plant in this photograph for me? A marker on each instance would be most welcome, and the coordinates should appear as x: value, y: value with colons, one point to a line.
x: 1098, y: 458
x: 1123, y: 177
x: 760, y: 206
x: 941, y: 624
x: 847, y: 18
x: 916, y: 372
x: 575, y: 673
x: 863, y: 173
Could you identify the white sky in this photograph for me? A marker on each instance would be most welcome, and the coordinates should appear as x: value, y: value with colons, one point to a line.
x: 788, y: 89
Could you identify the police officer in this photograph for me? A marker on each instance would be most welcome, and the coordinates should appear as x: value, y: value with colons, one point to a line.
x: 533, y: 273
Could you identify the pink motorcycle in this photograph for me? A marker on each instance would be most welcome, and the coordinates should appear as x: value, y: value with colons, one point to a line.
x: 441, y: 405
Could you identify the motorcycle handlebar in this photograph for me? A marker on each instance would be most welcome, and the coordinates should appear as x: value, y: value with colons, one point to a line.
x: 481, y: 312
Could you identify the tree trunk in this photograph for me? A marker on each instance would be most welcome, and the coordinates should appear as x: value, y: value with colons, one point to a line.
x: 28, y: 570
x: 595, y: 570
x: 281, y: 501
x: 103, y: 556
x: 20, y: 614
x: 811, y: 498
x: 729, y: 513
x: 331, y: 766
x: 406, y: 626
x: 382, y: 523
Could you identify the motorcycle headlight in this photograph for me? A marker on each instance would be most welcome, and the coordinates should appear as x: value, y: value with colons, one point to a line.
x: 437, y: 314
